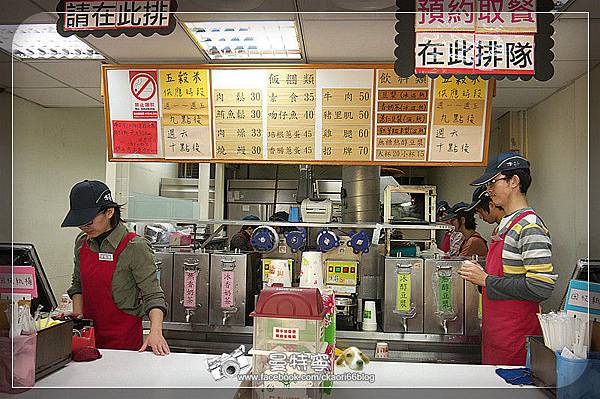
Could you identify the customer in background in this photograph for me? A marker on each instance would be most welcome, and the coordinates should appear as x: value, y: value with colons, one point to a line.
x: 114, y: 279
x: 519, y: 272
x: 241, y: 240
x: 455, y: 237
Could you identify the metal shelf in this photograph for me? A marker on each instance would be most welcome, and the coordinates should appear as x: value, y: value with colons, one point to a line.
x: 431, y: 226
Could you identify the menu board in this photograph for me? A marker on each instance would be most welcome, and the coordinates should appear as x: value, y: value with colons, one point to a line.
x: 402, y: 117
x: 346, y: 124
x: 349, y: 114
x: 291, y: 99
x: 185, y: 113
x: 458, y: 120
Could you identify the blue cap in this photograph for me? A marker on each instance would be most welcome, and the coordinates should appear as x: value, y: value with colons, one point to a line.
x: 502, y: 163
x: 453, y: 212
x: 478, y: 195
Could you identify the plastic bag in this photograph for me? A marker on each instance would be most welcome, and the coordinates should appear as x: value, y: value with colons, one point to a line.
x: 19, y: 351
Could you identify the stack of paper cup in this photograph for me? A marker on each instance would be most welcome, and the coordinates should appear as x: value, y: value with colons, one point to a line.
x: 311, y: 270
x: 369, y: 317
x: 279, y: 272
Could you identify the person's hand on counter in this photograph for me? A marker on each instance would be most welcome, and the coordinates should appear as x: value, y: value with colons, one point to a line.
x: 473, y: 272
x: 155, y: 339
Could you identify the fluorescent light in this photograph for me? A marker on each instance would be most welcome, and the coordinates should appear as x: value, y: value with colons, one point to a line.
x: 247, y: 40
x: 41, y: 41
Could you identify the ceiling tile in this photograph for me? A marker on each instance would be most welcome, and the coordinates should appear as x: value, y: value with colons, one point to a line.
x: 92, y: 92
x: 58, y: 97
x: 346, y: 5
x: 176, y: 47
x: 571, y: 39
x: 524, y: 97
x: 26, y: 76
x: 75, y: 73
x: 215, y: 17
x: 14, y: 12
x: 349, y: 41
x: 236, y: 5
x: 564, y: 73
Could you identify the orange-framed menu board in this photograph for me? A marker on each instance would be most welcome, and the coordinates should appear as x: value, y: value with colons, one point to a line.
x: 311, y: 114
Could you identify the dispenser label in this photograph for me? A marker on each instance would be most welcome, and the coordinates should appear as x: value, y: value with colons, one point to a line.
x: 190, y: 277
x: 403, y: 292
x: 227, y: 284
x: 445, y: 294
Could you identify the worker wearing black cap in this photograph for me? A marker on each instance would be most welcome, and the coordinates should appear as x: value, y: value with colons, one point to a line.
x: 453, y: 239
x: 519, y: 272
x: 485, y: 208
x: 462, y: 218
x: 114, y: 278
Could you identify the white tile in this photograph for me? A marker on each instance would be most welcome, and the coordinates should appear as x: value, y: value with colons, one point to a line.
x: 524, y: 97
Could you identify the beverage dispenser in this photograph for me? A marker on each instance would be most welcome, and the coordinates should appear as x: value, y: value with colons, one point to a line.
x: 190, y: 287
x: 444, y: 297
x: 231, y: 288
x: 164, y: 271
x: 403, y: 305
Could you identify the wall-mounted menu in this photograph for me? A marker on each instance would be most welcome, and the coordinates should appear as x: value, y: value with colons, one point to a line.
x: 238, y: 123
x: 346, y: 124
x: 291, y: 99
x: 402, y: 117
x: 185, y: 113
x: 357, y: 114
x: 458, y: 125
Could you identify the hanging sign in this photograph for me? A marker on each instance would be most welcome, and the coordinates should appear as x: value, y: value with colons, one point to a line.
x: 100, y: 17
x: 475, y: 37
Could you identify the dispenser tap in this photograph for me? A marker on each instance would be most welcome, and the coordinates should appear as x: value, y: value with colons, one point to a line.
x: 228, y: 312
x: 445, y: 323
x: 188, y: 314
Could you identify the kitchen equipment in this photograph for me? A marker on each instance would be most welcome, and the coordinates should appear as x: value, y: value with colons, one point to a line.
x: 311, y: 272
x: 190, y: 287
x: 264, y: 239
x: 327, y: 240
x: 316, y: 210
x: 403, y: 303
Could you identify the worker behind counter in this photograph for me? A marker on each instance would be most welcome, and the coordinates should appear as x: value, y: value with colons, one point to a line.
x: 519, y: 272
x: 453, y: 239
x: 114, y: 278
x: 462, y: 217
x: 242, y: 239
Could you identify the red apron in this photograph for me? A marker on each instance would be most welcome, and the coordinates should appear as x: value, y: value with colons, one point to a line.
x: 114, y: 328
x: 505, y: 323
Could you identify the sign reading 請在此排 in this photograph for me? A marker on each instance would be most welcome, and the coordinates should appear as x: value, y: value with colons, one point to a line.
x: 114, y: 17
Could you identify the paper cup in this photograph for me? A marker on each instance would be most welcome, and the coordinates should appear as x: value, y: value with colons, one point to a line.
x: 369, y: 317
x: 279, y: 272
x: 311, y: 270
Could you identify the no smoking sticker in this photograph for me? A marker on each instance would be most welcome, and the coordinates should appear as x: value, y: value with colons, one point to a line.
x: 143, y: 87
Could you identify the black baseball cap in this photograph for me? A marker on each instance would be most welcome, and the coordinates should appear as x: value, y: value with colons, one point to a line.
x: 453, y: 212
x: 478, y: 195
x: 502, y: 163
x: 87, y: 198
x: 442, y: 206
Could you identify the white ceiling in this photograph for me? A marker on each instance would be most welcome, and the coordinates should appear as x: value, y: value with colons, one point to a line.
x: 331, y: 31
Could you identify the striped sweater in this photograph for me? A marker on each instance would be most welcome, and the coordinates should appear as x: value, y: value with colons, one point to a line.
x: 526, y: 261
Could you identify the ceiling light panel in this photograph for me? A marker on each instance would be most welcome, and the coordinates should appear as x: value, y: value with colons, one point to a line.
x: 41, y: 41
x: 247, y: 39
